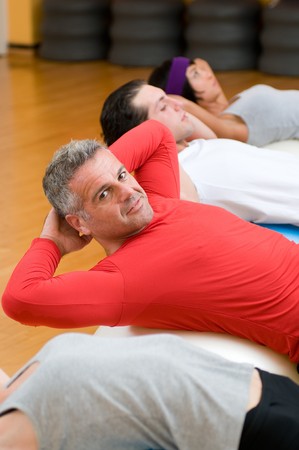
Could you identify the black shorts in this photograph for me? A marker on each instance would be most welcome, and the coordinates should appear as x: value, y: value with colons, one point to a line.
x: 274, y: 423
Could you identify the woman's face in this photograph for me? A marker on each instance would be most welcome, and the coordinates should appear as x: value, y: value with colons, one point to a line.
x: 203, y: 81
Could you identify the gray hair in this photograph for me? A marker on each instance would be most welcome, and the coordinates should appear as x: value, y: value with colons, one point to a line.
x: 61, y: 170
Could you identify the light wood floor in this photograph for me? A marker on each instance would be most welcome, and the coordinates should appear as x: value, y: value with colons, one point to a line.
x: 43, y: 105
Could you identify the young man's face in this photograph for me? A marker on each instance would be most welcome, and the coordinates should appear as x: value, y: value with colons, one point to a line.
x: 164, y: 109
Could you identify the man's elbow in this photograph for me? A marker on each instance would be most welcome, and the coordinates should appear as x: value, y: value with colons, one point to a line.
x: 15, y: 309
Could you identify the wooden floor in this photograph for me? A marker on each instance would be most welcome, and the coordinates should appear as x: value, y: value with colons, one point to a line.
x: 43, y: 105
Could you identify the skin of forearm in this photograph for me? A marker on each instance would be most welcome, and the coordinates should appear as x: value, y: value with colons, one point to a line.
x: 229, y: 127
x: 187, y: 189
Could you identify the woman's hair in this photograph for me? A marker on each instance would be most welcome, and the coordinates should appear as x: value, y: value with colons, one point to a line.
x: 119, y: 115
x: 60, y: 171
x: 174, y: 68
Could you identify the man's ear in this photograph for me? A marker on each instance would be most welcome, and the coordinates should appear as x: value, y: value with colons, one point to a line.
x: 78, y: 224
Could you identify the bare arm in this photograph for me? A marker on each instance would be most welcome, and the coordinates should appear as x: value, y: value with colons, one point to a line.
x: 228, y: 126
x: 16, y: 429
x: 201, y: 130
x: 17, y: 432
x: 187, y: 188
x: 255, y: 390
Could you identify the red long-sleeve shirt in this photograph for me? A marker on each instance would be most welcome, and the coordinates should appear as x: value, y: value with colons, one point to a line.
x: 194, y: 267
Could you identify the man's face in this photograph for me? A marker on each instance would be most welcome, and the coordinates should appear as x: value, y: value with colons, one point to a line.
x: 116, y: 204
x: 164, y: 109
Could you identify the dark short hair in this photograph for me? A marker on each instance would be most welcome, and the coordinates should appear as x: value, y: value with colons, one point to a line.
x: 119, y: 115
x: 159, y: 78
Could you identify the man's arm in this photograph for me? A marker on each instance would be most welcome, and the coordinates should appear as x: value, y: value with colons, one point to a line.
x: 188, y: 189
x: 150, y: 150
x: 65, y: 237
x: 34, y: 296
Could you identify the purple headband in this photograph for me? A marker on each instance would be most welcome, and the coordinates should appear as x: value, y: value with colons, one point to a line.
x: 177, y: 75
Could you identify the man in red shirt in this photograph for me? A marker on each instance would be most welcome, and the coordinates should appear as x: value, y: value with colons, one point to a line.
x: 170, y: 263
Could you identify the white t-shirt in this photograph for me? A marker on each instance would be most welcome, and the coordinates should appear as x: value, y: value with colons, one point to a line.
x: 256, y: 184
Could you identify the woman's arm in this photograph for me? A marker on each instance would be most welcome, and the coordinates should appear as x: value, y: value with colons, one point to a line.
x: 228, y: 126
x: 201, y: 130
